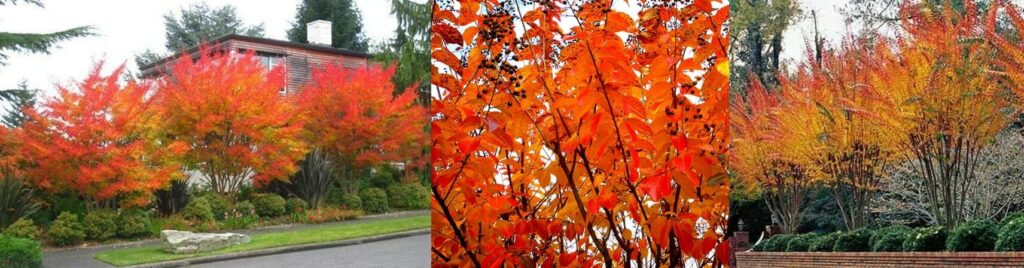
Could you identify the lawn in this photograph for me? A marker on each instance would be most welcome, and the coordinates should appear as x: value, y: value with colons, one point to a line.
x: 133, y: 256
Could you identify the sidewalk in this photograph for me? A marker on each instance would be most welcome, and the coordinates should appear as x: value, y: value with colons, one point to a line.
x: 84, y: 256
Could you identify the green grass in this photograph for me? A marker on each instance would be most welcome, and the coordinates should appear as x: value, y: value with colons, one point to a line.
x: 133, y: 256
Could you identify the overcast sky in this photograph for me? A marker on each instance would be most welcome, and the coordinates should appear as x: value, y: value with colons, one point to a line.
x: 831, y: 26
x: 128, y: 27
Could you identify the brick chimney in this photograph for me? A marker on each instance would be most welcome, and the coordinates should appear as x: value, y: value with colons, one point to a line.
x: 318, y: 32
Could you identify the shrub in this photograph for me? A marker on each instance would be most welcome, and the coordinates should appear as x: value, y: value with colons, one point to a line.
x: 100, y: 224
x: 352, y: 201
x: 66, y: 230
x: 315, y: 179
x: 776, y: 243
x: 295, y: 205
x: 23, y: 228
x: 132, y: 223
x: 173, y: 199
x: 824, y: 243
x: 269, y: 205
x: 335, y: 196
x: 408, y: 196
x: 15, y: 200
x: 245, y: 208
x: 978, y: 235
x: 330, y: 215
x: 889, y: 239
x: 1011, y: 236
x: 382, y: 176
x: 800, y: 243
x: 374, y: 200
x: 20, y: 252
x: 218, y: 205
x: 925, y: 239
x: 198, y: 209
x: 1011, y: 217
x: 245, y: 192
x: 856, y: 241
x: 174, y: 222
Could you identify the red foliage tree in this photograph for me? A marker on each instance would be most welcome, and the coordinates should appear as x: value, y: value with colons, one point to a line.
x: 354, y: 116
x: 100, y: 139
x: 227, y: 110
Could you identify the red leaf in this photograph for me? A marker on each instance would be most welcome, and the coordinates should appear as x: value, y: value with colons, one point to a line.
x: 656, y: 187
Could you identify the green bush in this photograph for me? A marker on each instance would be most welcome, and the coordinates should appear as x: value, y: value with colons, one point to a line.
x: 408, y: 196
x: 1011, y: 236
x: 295, y: 205
x: 978, y: 235
x: 382, y: 177
x: 218, y: 204
x: 23, y: 228
x: 801, y: 243
x: 245, y: 192
x: 890, y: 239
x: 269, y: 205
x: 100, y: 224
x: 925, y: 239
x: 776, y: 243
x: 352, y: 202
x: 856, y: 241
x: 66, y: 230
x: 20, y: 252
x: 374, y: 200
x: 824, y: 243
x: 335, y: 196
x: 133, y: 223
x: 198, y: 209
x: 1011, y: 217
x: 245, y: 208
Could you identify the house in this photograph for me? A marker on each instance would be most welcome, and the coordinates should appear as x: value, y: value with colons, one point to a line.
x: 298, y: 58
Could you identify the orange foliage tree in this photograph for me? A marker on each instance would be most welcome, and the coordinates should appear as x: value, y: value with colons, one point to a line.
x: 100, y: 139
x: 10, y: 150
x: 355, y: 117
x: 227, y: 110
x: 579, y: 133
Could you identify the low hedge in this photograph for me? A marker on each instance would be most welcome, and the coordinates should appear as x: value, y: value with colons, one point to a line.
x: 925, y: 239
x: 889, y: 239
x: 375, y: 200
x: 777, y: 243
x: 20, y: 252
x: 801, y: 243
x: 824, y: 243
x: 100, y: 225
x: 132, y: 223
x: 1011, y: 236
x: 977, y: 235
x: 856, y: 241
x: 269, y: 205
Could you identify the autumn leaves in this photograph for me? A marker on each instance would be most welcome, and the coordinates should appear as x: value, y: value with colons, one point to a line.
x: 579, y: 133
x: 113, y: 139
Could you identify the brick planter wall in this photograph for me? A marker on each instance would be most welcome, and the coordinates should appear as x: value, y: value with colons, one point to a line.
x: 879, y: 259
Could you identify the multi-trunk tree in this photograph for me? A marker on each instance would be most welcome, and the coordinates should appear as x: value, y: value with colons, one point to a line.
x: 354, y: 118
x: 579, y: 134
x: 226, y: 108
x: 100, y: 138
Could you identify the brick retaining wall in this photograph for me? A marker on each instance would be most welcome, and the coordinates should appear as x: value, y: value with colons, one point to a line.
x: 879, y: 259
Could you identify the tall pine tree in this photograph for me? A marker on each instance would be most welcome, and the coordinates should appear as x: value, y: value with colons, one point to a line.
x: 35, y: 42
x: 410, y: 48
x: 346, y: 23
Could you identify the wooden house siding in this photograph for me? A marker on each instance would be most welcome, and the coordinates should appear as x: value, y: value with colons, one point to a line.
x: 299, y: 59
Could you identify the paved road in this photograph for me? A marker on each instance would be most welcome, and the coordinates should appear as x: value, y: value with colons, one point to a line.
x: 413, y: 251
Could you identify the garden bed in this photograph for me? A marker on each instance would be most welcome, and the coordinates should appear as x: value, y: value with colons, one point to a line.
x: 879, y: 259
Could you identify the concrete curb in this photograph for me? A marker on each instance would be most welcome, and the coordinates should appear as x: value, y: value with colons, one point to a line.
x: 279, y: 250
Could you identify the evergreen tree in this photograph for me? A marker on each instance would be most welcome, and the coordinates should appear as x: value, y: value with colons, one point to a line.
x: 346, y: 23
x: 15, y: 101
x: 35, y: 42
x: 196, y: 24
x: 410, y: 48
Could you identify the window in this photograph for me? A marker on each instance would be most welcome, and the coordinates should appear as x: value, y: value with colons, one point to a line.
x: 271, y: 61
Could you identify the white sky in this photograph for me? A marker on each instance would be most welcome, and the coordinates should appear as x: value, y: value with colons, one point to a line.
x: 129, y: 27
x: 831, y: 26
